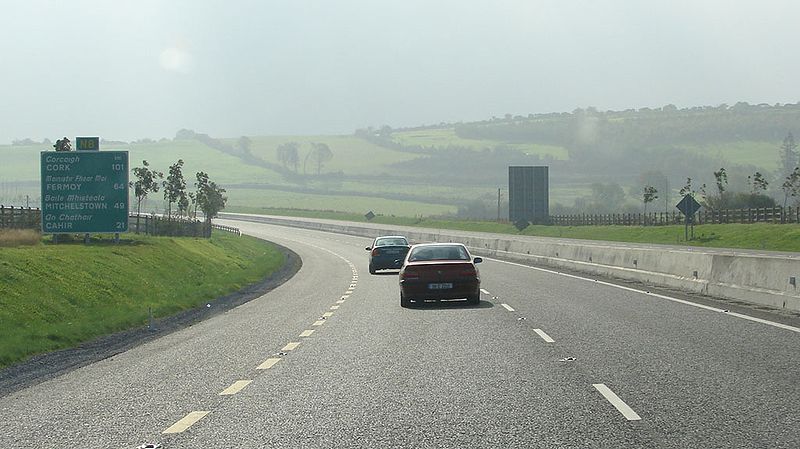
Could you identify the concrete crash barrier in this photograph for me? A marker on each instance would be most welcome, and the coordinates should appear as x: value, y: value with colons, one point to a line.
x: 758, y: 278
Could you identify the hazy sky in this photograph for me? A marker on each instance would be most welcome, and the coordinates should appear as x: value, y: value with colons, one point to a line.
x: 131, y: 69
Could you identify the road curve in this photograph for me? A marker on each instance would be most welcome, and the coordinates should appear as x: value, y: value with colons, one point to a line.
x: 330, y: 359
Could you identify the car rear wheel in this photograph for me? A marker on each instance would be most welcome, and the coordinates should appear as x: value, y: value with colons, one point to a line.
x: 371, y: 270
x: 404, y: 301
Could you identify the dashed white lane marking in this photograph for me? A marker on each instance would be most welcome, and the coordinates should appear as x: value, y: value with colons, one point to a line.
x: 507, y: 307
x: 335, y: 307
x: 291, y: 346
x: 656, y: 295
x: 345, y: 296
x: 611, y: 397
x: 341, y: 301
x: 327, y: 314
x: 186, y: 422
x: 269, y: 363
x: 544, y: 336
x: 307, y: 333
x: 235, y: 388
x: 485, y: 292
x: 318, y: 323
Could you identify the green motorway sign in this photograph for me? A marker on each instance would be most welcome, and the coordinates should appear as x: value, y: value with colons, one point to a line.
x: 87, y: 143
x: 84, y: 192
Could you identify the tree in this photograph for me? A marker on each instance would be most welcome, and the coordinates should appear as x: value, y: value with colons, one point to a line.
x: 649, y: 194
x: 791, y: 186
x: 174, y: 185
x: 244, y: 144
x: 63, y: 145
x: 788, y: 153
x: 687, y: 189
x: 210, y: 198
x: 321, y: 153
x: 288, y: 155
x: 721, y: 179
x: 146, y: 182
x: 720, y: 200
x: 193, y: 206
x: 757, y: 183
x: 183, y: 204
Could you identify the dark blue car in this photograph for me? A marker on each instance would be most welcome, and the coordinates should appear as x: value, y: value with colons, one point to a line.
x: 387, y: 252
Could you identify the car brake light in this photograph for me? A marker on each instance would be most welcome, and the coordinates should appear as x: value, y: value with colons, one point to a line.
x: 376, y: 252
x: 410, y: 275
x: 469, y: 272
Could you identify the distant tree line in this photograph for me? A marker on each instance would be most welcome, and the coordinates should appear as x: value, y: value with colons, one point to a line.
x: 644, y: 127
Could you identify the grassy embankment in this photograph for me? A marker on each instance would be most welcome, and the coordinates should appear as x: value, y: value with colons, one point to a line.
x: 56, y: 296
x: 762, y: 236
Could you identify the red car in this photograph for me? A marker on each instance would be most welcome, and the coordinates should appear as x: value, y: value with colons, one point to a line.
x: 439, y: 271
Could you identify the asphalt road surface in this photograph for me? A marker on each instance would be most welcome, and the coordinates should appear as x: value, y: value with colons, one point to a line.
x: 330, y: 359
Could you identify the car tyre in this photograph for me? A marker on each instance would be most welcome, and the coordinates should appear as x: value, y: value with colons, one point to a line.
x: 404, y: 302
x: 371, y: 270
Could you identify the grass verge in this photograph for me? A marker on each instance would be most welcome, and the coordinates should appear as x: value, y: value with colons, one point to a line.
x: 56, y: 296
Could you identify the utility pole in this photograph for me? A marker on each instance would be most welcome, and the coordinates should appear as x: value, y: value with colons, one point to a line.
x: 666, y: 196
x: 498, y: 204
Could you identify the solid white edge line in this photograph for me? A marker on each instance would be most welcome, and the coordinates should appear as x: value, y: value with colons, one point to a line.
x: 544, y: 336
x: 655, y: 295
x: 485, y: 292
x: 618, y: 403
x: 509, y: 308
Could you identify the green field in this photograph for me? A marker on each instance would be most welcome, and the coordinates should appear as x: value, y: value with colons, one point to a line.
x: 56, y: 296
x: 763, y: 155
x: 444, y: 137
x: 351, y: 155
x: 249, y: 200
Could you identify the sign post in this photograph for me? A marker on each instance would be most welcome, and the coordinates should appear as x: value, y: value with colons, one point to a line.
x: 84, y: 192
x: 688, y: 206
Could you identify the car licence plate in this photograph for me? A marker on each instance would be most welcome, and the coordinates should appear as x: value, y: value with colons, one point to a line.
x: 440, y: 286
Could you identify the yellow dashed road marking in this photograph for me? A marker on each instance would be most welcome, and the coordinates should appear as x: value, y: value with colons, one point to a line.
x: 291, y: 346
x: 318, y: 323
x: 307, y: 333
x: 335, y: 307
x: 327, y: 314
x: 236, y: 387
x: 186, y: 422
x: 269, y: 363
